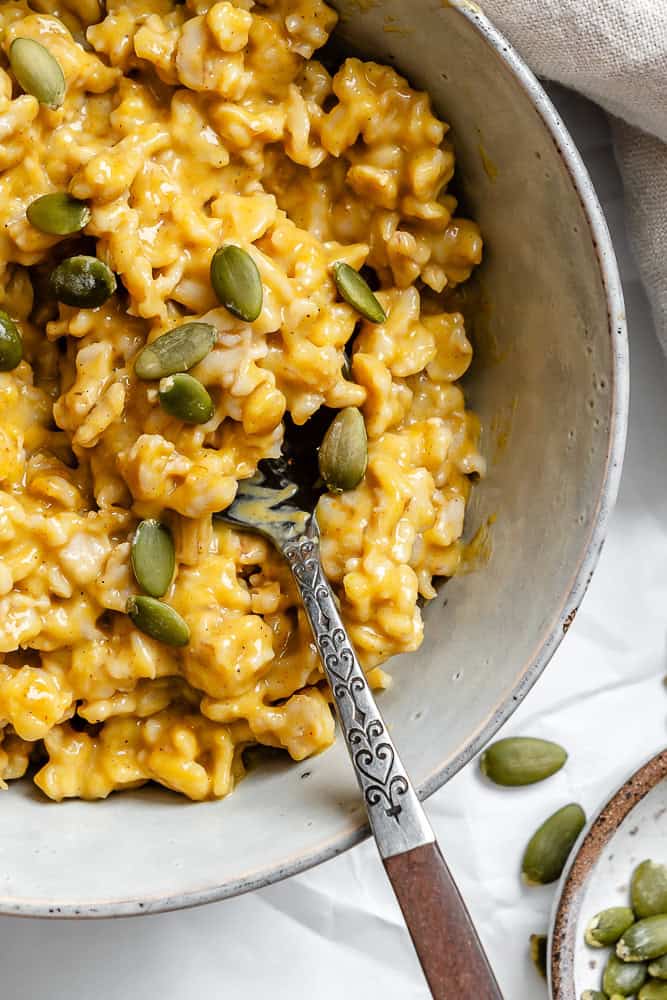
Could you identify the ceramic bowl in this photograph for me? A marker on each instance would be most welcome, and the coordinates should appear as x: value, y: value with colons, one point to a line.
x: 550, y: 383
x: 628, y: 829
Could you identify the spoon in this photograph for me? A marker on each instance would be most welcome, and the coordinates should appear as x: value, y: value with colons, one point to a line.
x: 279, y: 503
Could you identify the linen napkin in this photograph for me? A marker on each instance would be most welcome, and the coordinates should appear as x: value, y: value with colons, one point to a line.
x: 614, y: 52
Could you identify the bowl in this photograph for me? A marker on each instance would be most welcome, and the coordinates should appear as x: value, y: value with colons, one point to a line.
x: 629, y: 828
x: 550, y: 382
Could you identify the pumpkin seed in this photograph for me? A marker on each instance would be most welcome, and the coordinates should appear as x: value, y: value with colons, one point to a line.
x: 37, y: 71
x: 593, y: 995
x: 622, y: 978
x: 608, y: 926
x: 11, y: 344
x: 658, y: 969
x: 82, y: 281
x: 176, y: 351
x: 550, y: 845
x: 185, y: 397
x: 236, y: 282
x: 521, y: 760
x: 653, y: 990
x: 158, y: 620
x: 648, y: 889
x: 58, y: 214
x: 538, y: 953
x: 343, y: 454
x: 153, y: 557
x: 356, y: 292
x: 645, y: 939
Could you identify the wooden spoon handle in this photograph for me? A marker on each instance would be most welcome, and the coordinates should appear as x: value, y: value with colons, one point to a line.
x: 445, y: 940
x: 448, y: 947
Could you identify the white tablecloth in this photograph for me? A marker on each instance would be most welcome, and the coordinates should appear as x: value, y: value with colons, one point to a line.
x: 336, y: 931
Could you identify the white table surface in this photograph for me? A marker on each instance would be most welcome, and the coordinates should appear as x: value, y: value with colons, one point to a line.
x: 336, y: 931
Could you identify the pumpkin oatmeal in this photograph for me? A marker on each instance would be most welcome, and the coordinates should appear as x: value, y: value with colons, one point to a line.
x: 180, y: 185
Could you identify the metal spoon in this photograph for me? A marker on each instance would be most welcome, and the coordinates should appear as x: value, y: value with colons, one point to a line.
x: 279, y: 503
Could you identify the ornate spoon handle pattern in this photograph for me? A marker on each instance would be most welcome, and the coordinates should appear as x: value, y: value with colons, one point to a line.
x: 395, y: 813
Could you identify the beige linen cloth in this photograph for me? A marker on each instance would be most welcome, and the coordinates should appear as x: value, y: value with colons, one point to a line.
x: 615, y: 52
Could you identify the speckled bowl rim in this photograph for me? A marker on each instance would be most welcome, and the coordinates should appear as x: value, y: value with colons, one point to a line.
x: 564, y: 613
x: 572, y: 887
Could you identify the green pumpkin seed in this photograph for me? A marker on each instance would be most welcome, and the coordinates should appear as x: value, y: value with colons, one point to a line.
x: 645, y: 939
x: 550, y: 845
x: 37, y: 71
x: 653, y: 990
x: 11, y: 345
x: 608, y: 926
x: 82, y: 281
x: 658, y: 969
x: 521, y: 760
x: 538, y: 953
x: 158, y: 620
x: 356, y: 293
x: 153, y: 557
x: 622, y: 978
x: 185, y: 397
x: 176, y: 351
x: 236, y: 282
x: 648, y: 889
x: 593, y: 995
x: 343, y: 454
x: 58, y: 214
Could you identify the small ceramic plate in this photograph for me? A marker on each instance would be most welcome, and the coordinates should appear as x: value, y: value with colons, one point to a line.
x: 631, y: 827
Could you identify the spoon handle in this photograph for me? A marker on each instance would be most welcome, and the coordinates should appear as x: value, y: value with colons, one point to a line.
x: 445, y: 940
x: 442, y: 932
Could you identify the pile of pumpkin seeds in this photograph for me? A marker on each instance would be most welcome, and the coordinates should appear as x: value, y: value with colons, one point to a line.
x: 525, y: 760
x: 638, y: 934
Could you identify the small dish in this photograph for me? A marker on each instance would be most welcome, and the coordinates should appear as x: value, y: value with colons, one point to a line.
x: 629, y: 828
